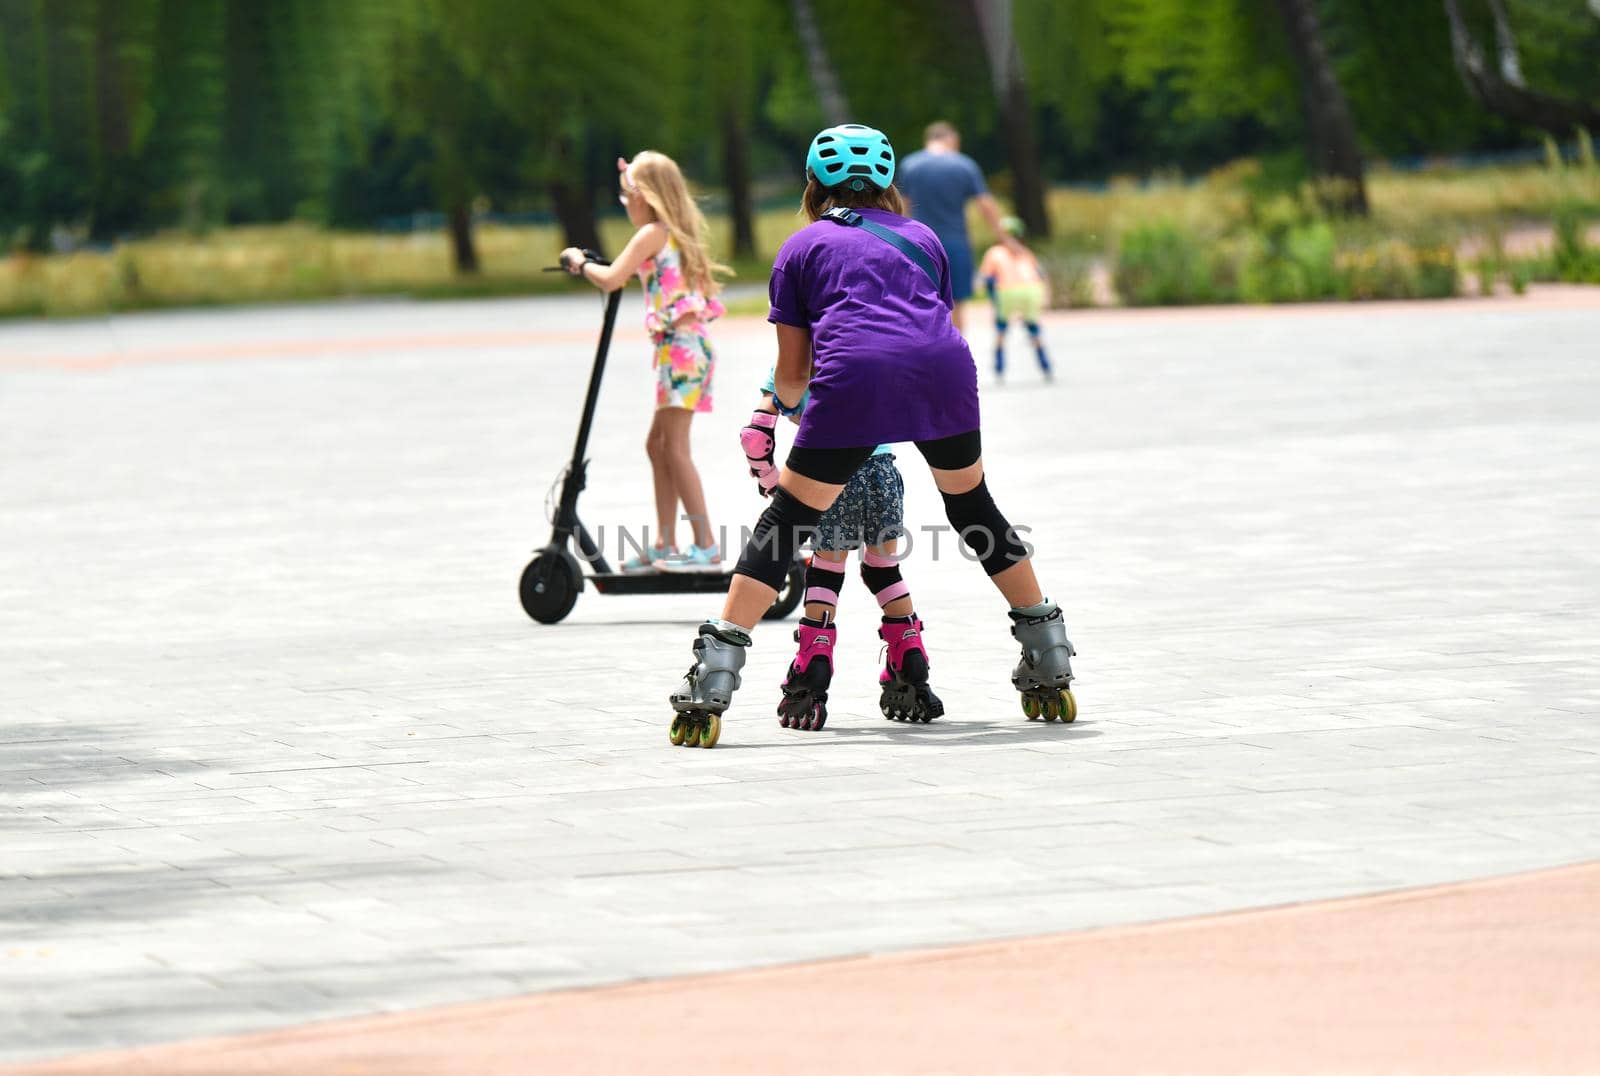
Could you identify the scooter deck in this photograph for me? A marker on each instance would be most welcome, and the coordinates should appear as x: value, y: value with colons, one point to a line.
x: 662, y: 582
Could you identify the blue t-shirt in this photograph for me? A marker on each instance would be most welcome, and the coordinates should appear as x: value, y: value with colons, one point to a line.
x: 771, y: 389
x: 939, y: 186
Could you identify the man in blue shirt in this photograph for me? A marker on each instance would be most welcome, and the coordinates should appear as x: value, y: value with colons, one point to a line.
x: 938, y: 180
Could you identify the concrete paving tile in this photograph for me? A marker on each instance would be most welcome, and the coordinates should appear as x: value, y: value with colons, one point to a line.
x: 279, y: 745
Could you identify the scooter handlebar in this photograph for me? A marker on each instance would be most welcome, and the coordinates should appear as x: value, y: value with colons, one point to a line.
x: 589, y: 255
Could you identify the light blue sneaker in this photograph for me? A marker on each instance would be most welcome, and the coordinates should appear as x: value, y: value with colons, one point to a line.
x: 693, y: 559
x: 648, y: 562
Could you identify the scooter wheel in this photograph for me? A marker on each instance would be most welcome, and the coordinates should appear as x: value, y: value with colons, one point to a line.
x: 550, y: 585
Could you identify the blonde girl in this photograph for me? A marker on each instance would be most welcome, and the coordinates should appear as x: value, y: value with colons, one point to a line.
x: 668, y: 252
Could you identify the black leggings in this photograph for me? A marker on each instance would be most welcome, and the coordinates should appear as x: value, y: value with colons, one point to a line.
x: 835, y: 465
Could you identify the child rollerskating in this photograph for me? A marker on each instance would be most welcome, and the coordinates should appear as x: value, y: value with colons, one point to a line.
x: 861, y: 301
x: 1018, y: 288
x: 669, y: 254
x: 869, y: 515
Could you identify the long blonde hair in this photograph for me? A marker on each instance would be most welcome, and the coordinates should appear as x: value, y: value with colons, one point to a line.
x: 661, y: 184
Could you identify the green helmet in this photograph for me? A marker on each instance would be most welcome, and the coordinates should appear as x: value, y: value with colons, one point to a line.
x: 851, y: 155
x: 1012, y: 225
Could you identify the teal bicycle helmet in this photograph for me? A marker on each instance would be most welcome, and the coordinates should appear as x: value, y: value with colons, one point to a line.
x: 851, y: 155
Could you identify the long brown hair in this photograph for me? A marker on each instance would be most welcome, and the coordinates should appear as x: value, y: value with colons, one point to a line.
x: 661, y: 184
x: 819, y: 199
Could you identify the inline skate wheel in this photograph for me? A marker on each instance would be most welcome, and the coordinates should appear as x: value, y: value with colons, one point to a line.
x: 1069, y: 706
x: 711, y: 731
x: 679, y: 729
x: 1030, y: 705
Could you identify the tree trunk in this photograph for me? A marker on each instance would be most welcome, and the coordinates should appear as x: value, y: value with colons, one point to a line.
x: 1011, y: 93
x: 1331, y: 133
x: 111, y: 141
x: 835, y: 109
x: 571, y: 196
x: 1505, y: 43
x: 574, y: 206
x: 1559, y: 116
x: 462, y: 246
x: 736, y: 175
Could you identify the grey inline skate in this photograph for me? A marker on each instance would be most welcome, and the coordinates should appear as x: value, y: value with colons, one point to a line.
x: 708, y: 686
x: 1044, y: 675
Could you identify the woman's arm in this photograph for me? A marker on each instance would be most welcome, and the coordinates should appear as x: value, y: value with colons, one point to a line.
x: 646, y: 243
x: 794, y: 363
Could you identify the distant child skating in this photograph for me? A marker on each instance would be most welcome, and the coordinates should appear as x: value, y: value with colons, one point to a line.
x: 1018, y: 288
x: 869, y: 514
x: 861, y: 301
x: 669, y: 254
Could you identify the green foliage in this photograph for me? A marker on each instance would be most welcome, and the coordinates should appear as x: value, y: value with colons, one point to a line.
x: 917, y: 63
x: 1071, y: 276
x: 1289, y: 262
x: 1164, y: 263
x: 1574, y: 259
x: 137, y: 114
x: 1396, y: 269
x: 1069, y: 59
x: 1225, y: 58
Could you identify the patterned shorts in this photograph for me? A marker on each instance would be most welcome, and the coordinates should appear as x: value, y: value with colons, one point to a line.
x: 683, y: 369
x: 870, y: 509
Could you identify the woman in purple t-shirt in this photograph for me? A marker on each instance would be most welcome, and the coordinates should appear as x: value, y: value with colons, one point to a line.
x: 861, y: 302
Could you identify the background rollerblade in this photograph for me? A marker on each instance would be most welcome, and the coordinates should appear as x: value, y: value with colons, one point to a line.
x: 707, y: 687
x: 1044, y: 675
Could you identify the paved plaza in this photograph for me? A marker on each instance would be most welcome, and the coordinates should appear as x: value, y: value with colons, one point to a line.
x: 277, y: 743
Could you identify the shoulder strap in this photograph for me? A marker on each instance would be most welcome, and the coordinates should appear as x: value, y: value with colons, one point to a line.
x: 851, y: 219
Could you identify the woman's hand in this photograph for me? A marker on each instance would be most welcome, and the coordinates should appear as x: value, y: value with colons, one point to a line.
x: 573, y: 258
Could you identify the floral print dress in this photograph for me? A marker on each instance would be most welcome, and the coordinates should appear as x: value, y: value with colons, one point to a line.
x: 675, y: 317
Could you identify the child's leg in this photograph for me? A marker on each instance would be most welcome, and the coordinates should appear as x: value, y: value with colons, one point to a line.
x: 824, y: 579
x: 1037, y: 336
x: 1000, y: 327
x: 805, y: 686
x: 685, y: 478
x: 905, y: 695
x: 881, y: 572
x: 655, y: 446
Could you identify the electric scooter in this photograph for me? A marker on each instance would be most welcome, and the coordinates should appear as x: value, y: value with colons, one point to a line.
x: 553, y: 579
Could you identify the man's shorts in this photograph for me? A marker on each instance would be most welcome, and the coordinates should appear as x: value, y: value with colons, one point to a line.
x: 870, y: 510
x: 960, y: 257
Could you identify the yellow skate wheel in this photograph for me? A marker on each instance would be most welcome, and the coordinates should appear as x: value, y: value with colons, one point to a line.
x: 676, y: 732
x: 1050, y: 706
x: 712, y: 731
x: 1030, y: 705
x: 1069, y: 706
x: 693, y: 731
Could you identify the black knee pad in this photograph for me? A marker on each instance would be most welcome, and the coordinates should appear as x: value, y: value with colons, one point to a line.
x: 983, y: 529
x: 879, y: 579
x: 782, y: 529
x: 824, y: 581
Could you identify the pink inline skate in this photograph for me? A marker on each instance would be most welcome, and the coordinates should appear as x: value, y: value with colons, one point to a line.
x: 906, y: 695
x: 805, y: 688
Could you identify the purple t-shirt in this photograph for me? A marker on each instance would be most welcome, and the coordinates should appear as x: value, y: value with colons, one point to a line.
x: 888, y: 364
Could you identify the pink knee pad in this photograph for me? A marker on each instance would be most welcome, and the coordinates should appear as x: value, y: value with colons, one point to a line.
x: 882, y: 576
